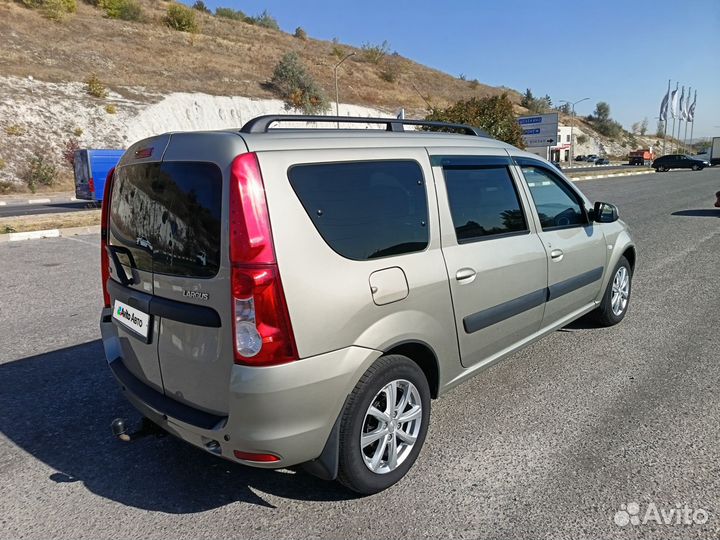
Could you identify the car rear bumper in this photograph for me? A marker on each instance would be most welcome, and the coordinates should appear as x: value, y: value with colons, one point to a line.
x: 287, y: 410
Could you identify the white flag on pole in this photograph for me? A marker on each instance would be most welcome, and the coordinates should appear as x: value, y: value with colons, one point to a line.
x: 674, y: 103
x: 683, y: 111
x: 691, y: 111
x: 664, y: 106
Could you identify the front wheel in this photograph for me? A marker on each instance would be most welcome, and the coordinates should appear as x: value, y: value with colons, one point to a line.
x: 616, y: 299
x: 696, y: 167
x: 384, y: 425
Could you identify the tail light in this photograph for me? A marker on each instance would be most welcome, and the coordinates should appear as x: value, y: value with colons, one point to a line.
x: 261, y: 322
x: 104, y: 224
x: 91, y: 185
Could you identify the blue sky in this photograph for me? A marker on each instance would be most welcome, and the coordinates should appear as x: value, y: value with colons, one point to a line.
x: 621, y: 52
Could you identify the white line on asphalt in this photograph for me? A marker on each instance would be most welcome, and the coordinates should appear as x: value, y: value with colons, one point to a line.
x: 2, y: 203
x: 75, y: 239
x: 38, y: 201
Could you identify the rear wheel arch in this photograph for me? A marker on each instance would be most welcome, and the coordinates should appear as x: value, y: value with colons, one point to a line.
x: 424, y: 356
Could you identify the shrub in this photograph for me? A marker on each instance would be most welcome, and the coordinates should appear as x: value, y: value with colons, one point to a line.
x: 181, y: 18
x: 15, y: 130
x: 493, y: 114
x: 55, y: 10
x: 230, y: 13
x: 111, y: 108
x: 474, y: 83
x: 338, y: 51
x: 374, y: 53
x: 200, y: 6
x: 462, y: 77
x: 78, y: 131
x: 296, y: 87
x: 6, y: 186
x: 265, y: 20
x: 300, y: 33
x: 388, y: 75
x: 39, y: 171
x: 68, y: 154
x: 582, y: 139
x: 95, y: 87
x: 126, y: 10
x: 3, y: 164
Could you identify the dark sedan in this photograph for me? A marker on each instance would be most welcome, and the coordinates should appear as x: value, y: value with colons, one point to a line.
x: 678, y: 161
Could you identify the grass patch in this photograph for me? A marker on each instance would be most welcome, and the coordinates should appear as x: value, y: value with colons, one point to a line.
x: 84, y: 218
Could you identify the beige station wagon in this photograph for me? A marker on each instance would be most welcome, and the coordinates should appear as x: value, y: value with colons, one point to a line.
x: 284, y: 296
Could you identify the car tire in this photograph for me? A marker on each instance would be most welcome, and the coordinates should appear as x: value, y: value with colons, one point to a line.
x: 373, y: 390
x: 616, y: 299
x: 695, y: 167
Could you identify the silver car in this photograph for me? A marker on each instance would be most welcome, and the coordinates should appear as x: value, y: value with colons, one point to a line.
x: 348, y: 277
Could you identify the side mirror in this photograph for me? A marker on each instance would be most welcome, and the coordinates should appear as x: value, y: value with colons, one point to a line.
x: 605, y: 212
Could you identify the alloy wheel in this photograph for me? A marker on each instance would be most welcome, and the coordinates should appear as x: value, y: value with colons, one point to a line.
x: 620, y: 291
x: 391, y: 426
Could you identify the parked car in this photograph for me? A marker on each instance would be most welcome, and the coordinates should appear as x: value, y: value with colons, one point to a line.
x: 591, y: 158
x: 580, y: 158
x: 321, y: 320
x: 678, y: 161
x: 602, y: 161
x: 91, y: 167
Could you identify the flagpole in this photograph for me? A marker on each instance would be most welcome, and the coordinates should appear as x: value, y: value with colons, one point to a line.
x: 687, y: 118
x: 692, y: 128
x: 680, y: 118
x: 666, y: 122
x: 672, y: 110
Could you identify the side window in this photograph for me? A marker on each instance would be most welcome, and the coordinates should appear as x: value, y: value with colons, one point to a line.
x: 557, y: 205
x: 483, y: 203
x: 366, y: 209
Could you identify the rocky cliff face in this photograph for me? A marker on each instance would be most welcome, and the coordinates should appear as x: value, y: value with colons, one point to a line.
x: 38, y: 116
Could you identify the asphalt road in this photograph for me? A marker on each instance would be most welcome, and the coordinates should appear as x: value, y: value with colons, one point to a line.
x: 548, y: 444
x: 46, y: 208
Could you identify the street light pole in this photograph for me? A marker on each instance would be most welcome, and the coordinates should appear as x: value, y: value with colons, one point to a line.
x: 572, y: 124
x: 337, y: 92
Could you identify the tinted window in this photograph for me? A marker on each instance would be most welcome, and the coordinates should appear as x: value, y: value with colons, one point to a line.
x: 169, y: 216
x: 556, y: 204
x: 483, y: 202
x: 365, y: 210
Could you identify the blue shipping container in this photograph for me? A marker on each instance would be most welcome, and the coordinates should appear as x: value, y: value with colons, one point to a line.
x: 91, y: 169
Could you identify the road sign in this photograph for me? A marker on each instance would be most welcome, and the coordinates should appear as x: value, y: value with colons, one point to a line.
x: 539, y: 129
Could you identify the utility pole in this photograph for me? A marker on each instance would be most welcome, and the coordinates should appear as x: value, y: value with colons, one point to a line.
x: 337, y: 91
x: 572, y: 124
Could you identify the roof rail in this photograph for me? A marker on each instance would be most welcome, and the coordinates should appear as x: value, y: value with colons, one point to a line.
x: 262, y: 124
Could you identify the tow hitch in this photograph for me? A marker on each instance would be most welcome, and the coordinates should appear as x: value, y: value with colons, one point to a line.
x: 147, y: 427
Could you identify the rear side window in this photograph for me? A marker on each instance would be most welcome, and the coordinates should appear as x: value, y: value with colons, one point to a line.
x: 483, y: 203
x: 368, y: 209
x: 168, y: 215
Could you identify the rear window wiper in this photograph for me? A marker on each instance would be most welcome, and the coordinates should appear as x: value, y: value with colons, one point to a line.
x: 119, y: 270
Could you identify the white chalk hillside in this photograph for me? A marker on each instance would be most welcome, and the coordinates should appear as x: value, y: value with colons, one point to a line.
x: 47, y: 115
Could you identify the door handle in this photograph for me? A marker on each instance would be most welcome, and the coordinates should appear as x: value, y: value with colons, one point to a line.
x: 556, y: 254
x: 465, y: 274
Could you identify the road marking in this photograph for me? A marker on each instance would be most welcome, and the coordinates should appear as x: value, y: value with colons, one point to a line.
x: 38, y: 201
x: 75, y: 239
x: 2, y: 203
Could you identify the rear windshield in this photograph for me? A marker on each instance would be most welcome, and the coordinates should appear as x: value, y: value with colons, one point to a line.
x: 366, y: 209
x: 168, y: 215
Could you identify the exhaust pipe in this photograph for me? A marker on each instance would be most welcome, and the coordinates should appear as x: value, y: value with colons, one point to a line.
x: 147, y: 427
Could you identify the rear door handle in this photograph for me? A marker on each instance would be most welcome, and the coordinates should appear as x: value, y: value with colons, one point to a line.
x: 465, y: 274
x: 556, y: 254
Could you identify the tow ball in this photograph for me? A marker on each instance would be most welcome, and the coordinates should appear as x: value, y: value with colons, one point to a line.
x: 147, y: 427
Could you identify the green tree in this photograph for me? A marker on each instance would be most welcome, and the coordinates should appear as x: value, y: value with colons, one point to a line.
x: 660, y: 131
x: 644, y: 126
x: 296, y: 87
x: 493, y: 114
x: 199, y: 5
x: 602, y: 111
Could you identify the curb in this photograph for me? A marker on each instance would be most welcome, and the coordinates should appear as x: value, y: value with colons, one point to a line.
x: 19, y: 201
x: 49, y: 233
x: 594, y: 177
